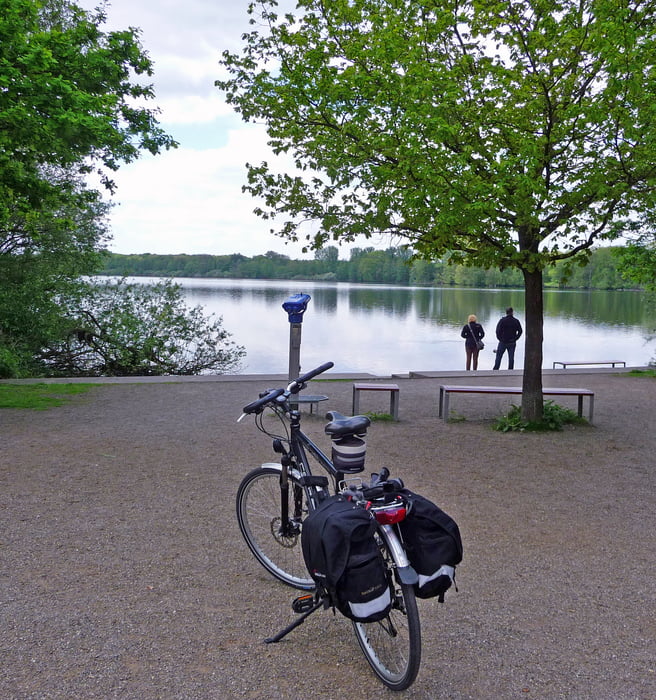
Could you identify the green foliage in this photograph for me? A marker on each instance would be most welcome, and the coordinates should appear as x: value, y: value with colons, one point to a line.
x: 10, y: 362
x: 39, y: 396
x: 71, y: 103
x: 554, y: 417
x: 33, y: 269
x: 637, y: 263
x: 121, y: 329
x: 68, y: 101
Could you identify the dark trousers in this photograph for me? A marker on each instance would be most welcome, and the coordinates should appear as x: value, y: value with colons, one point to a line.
x: 472, y: 355
x: 501, y: 348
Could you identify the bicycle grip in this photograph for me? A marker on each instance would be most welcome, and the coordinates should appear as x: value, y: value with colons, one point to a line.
x: 313, y: 373
x: 259, y: 404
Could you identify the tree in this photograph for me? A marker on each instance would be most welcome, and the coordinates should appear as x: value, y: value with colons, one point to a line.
x: 512, y: 134
x: 637, y: 262
x: 71, y: 104
x: 68, y: 100
x: 329, y: 255
x: 122, y: 329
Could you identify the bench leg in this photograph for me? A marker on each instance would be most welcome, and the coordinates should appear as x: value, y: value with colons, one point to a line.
x: 356, y: 401
x: 394, y: 404
x: 445, y: 407
x: 580, y: 406
x: 591, y: 407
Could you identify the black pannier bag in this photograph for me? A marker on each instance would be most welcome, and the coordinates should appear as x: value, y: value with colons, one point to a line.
x: 341, y: 554
x: 433, y: 545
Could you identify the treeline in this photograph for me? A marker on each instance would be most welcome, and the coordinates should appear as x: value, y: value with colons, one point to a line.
x: 366, y: 265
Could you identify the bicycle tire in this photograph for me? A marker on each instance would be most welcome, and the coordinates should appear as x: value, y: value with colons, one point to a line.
x: 258, y: 515
x: 392, y: 646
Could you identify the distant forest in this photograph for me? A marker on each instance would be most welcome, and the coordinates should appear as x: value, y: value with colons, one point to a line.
x: 366, y: 265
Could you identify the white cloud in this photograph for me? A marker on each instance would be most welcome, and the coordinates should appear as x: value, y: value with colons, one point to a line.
x: 189, y: 200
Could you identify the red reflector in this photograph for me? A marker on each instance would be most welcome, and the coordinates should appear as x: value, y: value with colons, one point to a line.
x: 390, y: 516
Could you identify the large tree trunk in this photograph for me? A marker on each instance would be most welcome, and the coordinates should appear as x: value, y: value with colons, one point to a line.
x: 532, y: 381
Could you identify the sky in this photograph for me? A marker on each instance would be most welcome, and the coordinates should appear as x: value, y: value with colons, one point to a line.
x: 189, y: 200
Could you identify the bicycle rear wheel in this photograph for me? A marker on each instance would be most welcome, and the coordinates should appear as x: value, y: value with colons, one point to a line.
x: 392, y: 646
x: 276, y: 547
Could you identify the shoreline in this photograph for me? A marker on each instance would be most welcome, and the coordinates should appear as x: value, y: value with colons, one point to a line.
x: 326, y: 377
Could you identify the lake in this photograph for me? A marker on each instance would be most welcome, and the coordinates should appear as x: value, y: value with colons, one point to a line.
x: 385, y: 330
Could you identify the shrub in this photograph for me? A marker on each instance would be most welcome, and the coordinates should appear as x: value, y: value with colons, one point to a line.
x: 554, y: 418
x: 122, y: 329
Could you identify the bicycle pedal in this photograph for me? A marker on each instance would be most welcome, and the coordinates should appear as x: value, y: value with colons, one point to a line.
x: 303, y: 603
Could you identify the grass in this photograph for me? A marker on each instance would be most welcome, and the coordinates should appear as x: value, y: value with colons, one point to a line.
x: 39, y: 397
x: 382, y: 417
x: 642, y: 373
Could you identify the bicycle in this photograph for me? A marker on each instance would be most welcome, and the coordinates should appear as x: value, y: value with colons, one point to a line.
x: 274, y: 499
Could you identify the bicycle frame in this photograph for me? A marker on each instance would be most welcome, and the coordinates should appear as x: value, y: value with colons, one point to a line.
x: 299, y: 446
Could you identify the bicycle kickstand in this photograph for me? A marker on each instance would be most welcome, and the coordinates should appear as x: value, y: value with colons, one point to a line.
x: 299, y: 605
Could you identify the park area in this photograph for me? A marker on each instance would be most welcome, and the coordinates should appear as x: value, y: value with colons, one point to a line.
x: 124, y: 574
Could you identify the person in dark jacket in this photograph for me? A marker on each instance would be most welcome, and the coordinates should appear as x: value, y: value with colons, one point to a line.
x: 509, y: 330
x: 472, y: 332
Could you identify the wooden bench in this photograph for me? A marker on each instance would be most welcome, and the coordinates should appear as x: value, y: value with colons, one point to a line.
x: 394, y: 396
x: 565, y: 365
x: 312, y: 400
x: 447, y: 389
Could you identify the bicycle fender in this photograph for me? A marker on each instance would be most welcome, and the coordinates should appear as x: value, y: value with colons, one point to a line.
x: 276, y: 465
x: 407, y: 575
x: 405, y: 571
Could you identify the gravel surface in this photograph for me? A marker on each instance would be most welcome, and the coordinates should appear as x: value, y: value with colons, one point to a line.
x: 123, y: 573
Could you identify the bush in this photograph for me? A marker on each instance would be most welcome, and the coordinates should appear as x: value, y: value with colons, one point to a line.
x: 554, y: 417
x: 122, y: 329
x: 9, y: 363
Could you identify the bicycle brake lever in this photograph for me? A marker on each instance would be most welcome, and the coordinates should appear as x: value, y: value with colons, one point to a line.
x: 241, y: 418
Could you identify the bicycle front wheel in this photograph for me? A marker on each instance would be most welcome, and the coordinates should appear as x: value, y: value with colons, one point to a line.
x: 392, y: 646
x: 276, y: 545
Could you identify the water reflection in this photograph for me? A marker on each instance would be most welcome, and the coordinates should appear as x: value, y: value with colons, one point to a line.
x: 397, y: 329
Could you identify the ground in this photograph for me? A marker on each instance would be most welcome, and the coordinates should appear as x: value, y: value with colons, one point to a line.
x: 123, y: 573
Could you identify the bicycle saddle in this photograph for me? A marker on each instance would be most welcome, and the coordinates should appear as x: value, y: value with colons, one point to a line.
x: 341, y: 425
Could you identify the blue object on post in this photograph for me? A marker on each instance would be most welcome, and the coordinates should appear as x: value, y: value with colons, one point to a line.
x: 295, y: 307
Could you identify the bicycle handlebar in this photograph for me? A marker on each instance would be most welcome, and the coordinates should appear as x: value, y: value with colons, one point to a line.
x: 258, y: 404
x: 293, y: 388
x: 297, y: 384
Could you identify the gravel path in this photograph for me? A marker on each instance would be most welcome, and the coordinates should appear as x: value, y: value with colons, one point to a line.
x: 123, y: 574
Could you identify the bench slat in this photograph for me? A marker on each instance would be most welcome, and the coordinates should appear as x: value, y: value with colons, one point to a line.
x: 459, y: 388
x: 376, y: 387
x: 446, y: 389
x: 572, y: 363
